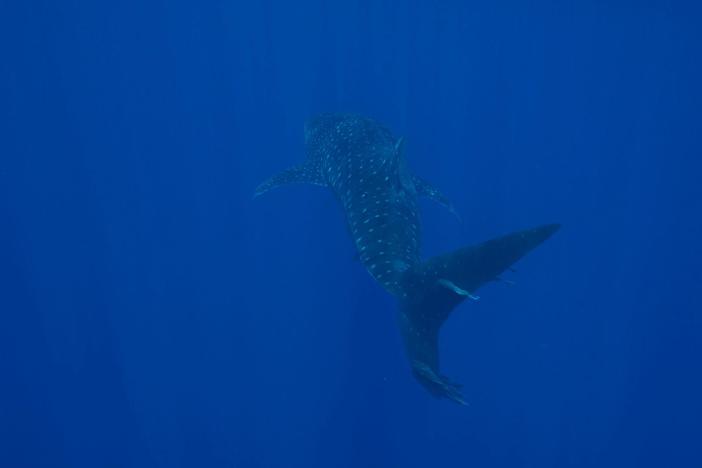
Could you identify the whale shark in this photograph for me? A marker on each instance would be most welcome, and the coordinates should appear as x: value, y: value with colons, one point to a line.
x: 363, y: 164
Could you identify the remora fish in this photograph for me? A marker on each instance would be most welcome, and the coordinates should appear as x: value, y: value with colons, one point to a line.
x: 363, y: 164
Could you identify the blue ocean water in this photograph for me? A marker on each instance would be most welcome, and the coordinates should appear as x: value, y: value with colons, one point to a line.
x: 153, y: 315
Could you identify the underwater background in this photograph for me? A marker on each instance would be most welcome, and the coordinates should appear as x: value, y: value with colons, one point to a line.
x: 153, y: 315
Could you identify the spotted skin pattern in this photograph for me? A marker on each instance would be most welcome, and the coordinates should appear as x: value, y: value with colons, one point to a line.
x: 362, y: 163
x: 359, y: 162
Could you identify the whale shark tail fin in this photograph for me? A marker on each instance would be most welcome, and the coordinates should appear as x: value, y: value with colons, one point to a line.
x: 305, y: 173
x: 436, y: 287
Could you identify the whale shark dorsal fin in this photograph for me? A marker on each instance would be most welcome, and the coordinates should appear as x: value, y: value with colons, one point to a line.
x: 404, y: 177
x: 400, y: 147
x: 305, y: 173
x: 425, y: 189
x: 398, y: 153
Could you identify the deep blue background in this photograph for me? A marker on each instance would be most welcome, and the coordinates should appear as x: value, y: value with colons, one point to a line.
x: 153, y: 315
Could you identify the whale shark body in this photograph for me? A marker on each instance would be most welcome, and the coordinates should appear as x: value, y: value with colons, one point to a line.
x: 364, y: 166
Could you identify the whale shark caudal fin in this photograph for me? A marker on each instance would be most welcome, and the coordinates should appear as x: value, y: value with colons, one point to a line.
x: 306, y: 173
x: 434, y: 288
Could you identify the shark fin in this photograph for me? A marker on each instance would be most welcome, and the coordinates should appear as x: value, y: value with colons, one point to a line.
x: 470, y: 267
x: 404, y: 177
x: 396, y: 159
x: 434, y: 288
x: 306, y: 173
x: 400, y: 147
x: 425, y: 189
x: 415, y: 184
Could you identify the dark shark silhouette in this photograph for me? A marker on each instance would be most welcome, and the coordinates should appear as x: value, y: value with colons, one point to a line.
x: 363, y: 164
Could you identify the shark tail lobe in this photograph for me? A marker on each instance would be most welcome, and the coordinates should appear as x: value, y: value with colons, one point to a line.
x: 437, y: 286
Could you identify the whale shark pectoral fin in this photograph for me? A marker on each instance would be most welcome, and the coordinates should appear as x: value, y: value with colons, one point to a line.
x: 305, y: 173
x: 461, y: 292
x: 424, y: 188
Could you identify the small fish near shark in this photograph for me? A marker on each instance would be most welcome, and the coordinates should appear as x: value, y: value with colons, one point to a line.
x: 363, y: 164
